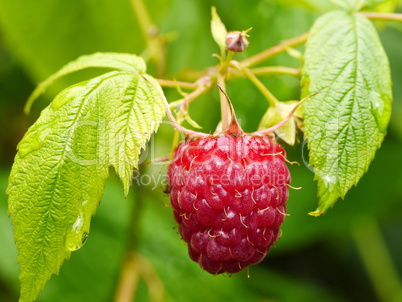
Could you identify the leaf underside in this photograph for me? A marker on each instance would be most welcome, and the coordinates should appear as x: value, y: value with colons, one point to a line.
x: 346, y: 123
x: 59, y: 172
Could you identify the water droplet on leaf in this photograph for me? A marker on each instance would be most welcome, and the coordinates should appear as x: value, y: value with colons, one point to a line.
x: 84, y: 238
x: 378, y: 109
x: 76, y: 236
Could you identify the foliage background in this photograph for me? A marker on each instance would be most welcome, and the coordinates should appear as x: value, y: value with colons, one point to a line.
x: 352, y: 253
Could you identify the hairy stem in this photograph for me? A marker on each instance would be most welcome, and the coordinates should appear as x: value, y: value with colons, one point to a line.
x: 377, y: 260
x: 273, y: 51
x: 383, y: 16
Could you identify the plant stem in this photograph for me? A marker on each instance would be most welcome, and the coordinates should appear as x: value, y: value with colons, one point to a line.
x: 383, y: 16
x: 129, y: 275
x: 225, y: 110
x: 174, y: 84
x: 183, y: 103
x: 136, y: 266
x: 221, y: 74
x: 273, y: 51
x: 377, y: 259
x: 273, y: 101
x: 143, y: 18
x: 155, y: 286
x: 128, y: 279
x: 156, y: 43
x: 268, y: 70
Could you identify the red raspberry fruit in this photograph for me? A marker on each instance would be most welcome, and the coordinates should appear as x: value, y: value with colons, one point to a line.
x: 228, y: 193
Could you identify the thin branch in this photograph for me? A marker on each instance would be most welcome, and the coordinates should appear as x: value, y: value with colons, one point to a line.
x: 129, y: 277
x: 177, y: 125
x: 383, y: 16
x: 266, y: 71
x: 174, y: 84
x: 273, y: 51
x: 143, y: 18
x: 156, y: 43
x: 270, y: 70
x: 154, y: 284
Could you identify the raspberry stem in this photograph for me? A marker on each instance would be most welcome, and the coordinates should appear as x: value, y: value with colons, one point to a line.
x: 225, y: 110
x: 233, y: 126
x: 226, y: 114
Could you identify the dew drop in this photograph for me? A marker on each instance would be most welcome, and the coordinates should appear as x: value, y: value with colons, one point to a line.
x: 84, y: 238
x: 377, y: 104
x: 378, y: 109
x: 76, y: 236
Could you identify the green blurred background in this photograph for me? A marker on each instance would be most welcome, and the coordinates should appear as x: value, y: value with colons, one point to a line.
x: 352, y: 253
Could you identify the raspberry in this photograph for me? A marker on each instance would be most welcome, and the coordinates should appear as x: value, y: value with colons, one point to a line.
x: 228, y: 193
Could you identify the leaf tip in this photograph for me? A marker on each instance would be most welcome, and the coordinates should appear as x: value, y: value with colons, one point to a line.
x: 316, y: 213
x: 218, y: 29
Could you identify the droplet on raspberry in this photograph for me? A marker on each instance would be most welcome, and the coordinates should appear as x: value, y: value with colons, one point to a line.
x: 228, y: 193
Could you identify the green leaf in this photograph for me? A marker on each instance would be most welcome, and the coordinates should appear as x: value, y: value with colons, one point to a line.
x: 374, y: 2
x: 353, y: 5
x: 218, y: 29
x: 346, y: 4
x: 59, y: 172
x: 118, y: 61
x: 346, y: 123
